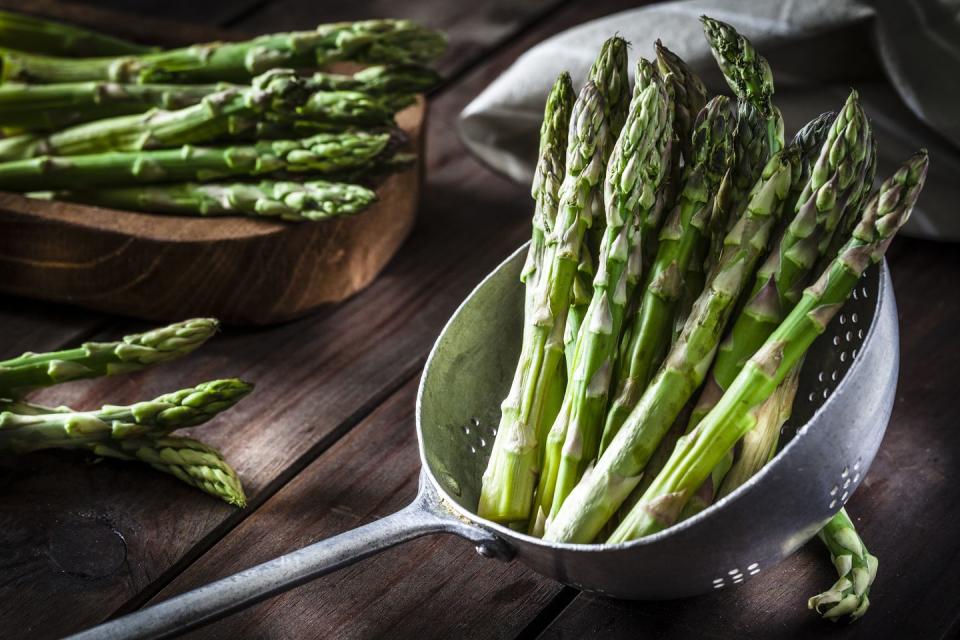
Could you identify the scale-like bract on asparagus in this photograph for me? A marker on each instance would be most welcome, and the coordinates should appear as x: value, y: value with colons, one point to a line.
x: 511, y: 475
x: 698, y: 452
x: 325, y: 153
x: 95, y: 359
x: 368, y: 42
x: 618, y: 470
x: 835, y: 180
x: 191, y: 461
x: 689, y: 96
x: 279, y: 92
x: 856, y: 567
x: 184, y: 408
x: 637, y: 168
x: 271, y: 199
x: 611, y: 76
x: 683, y: 236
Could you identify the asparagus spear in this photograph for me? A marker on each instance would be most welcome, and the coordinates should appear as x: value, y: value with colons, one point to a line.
x: 233, y: 110
x: 690, y: 96
x: 325, y: 153
x: 834, y: 179
x: 698, y: 452
x: 618, y: 471
x: 30, y: 33
x: 747, y: 72
x: 855, y: 565
x: 284, y: 200
x: 682, y: 237
x: 636, y: 170
x: 54, y: 106
x: 511, y: 474
x: 191, y: 461
x: 369, y: 42
x: 184, y: 408
x: 95, y: 359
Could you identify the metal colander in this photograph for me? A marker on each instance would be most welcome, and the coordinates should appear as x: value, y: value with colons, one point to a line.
x: 843, y: 404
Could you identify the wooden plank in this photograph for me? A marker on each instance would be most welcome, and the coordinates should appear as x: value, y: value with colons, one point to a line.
x: 902, y: 509
x: 435, y: 587
x: 472, y: 29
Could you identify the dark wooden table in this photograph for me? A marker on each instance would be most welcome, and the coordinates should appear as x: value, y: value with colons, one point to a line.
x: 327, y: 441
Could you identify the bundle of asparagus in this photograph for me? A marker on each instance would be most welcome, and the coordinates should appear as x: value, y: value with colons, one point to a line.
x: 140, y: 431
x: 84, y: 129
x: 763, y: 243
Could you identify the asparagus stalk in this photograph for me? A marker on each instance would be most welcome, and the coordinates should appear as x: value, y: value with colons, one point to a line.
x: 230, y: 111
x: 368, y: 42
x: 834, y: 179
x: 322, y: 153
x: 184, y: 408
x: 618, y: 471
x: 681, y: 238
x: 33, y: 34
x: 54, y: 106
x: 698, y: 452
x: 511, y: 474
x: 636, y: 170
x: 747, y: 72
x: 690, y: 96
x: 283, y: 200
x: 190, y: 461
x: 95, y: 359
x: 856, y: 567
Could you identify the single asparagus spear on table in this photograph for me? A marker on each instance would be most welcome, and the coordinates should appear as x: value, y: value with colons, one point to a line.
x: 511, y: 474
x: 95, y: 359
x: 635, y: 174
x: 698, y: 452
x: 54, y: 106
x: 368, y: 42
x: 64, y: 430
x: 325, y: 153
x: 856, y: 567
x: 189, y: 460
x: 682, y: 237
x: 279, y: 91
x: 618, y: 470
x: 747, y: 72
x: 33, y: 34
x: 276, y: 199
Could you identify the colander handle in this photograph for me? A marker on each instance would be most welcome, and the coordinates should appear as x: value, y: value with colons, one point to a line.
x: 231, y: 594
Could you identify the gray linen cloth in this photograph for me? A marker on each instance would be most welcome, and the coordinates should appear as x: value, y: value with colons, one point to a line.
x: 903, y: 56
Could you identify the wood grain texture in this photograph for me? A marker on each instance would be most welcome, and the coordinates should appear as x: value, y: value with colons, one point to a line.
x: 435, y: 587
x: 240, y: 270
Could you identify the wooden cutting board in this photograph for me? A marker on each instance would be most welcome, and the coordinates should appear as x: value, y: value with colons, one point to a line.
x: 240, y: 270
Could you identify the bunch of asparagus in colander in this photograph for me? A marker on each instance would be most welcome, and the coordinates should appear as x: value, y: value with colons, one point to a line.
x: 253, y: 128
x: 137, y: 432
x: 684, y: 257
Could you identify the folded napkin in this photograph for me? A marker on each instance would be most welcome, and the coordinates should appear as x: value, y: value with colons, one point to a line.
x: 903, y: 56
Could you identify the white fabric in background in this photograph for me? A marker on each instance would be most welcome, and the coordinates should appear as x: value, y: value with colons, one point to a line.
x: 903, y: 56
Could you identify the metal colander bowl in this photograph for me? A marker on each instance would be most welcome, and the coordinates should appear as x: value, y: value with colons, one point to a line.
x: 841, y: 411
x: 842, y: 408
